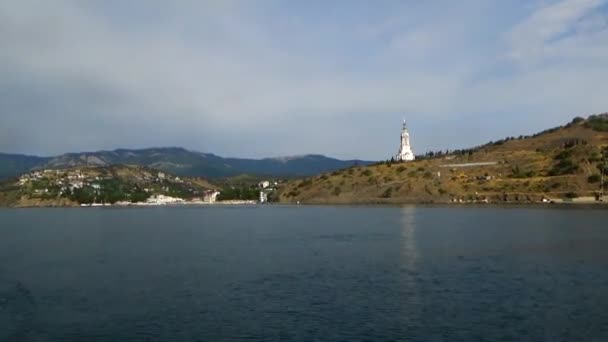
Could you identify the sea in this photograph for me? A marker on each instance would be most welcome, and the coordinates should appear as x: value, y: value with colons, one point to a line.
x: 304, y: 273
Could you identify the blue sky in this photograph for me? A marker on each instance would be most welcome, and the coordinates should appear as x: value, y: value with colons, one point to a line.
x: 273, y: 78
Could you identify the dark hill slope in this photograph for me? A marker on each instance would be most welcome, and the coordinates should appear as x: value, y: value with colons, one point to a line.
x: 12, y: 165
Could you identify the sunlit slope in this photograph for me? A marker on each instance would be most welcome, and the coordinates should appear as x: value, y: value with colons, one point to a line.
x: 560, y: 163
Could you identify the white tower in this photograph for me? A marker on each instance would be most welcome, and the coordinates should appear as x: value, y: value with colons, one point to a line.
x: 405, y: 150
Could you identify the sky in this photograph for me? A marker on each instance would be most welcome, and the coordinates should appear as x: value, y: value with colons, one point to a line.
x: 279, y: 78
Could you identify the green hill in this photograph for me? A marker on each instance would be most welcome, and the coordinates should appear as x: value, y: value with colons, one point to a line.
x: 106, y: 184
x: 560, y: 164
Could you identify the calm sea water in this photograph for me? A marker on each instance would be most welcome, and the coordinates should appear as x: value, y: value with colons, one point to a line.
x: 304, y: 274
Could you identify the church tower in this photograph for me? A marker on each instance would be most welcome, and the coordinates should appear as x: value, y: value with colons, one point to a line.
x: 405, y: 150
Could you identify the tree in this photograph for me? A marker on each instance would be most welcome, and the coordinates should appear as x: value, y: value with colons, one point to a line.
x: 577, y: 120
x: 139, y: 196
x: 83, y: 195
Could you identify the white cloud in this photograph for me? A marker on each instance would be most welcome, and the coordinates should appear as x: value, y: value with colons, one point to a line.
x: 531, y: 39
x: 223, y: 76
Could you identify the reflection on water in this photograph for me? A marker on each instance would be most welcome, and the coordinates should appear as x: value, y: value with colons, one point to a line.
x: 408, y: 234
x: 410, y: 276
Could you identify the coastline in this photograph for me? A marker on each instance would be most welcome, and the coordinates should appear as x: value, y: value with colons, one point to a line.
x: 66, y: 204
x: 177, y: 203
x: 378, y: 203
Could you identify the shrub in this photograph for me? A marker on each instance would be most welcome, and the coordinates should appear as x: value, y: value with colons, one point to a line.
x: 366, y: 173
x: 595, y: 157
x: 598, y: 122
x: 518, y: 173
x: 307, y: 182
x: 564, y: 167
x: 571, y: 195
x: 563, y: 155
x: 337, y: 191
x: 594, y: 178
x: 387, y: 193
x: 401, y: 169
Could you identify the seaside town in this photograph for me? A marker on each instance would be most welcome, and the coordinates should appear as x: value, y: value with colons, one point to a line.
x: 124, y: 186
x: 134, y: 186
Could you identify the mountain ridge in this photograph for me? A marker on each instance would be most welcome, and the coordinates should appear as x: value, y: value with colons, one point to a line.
x: 179, y: 161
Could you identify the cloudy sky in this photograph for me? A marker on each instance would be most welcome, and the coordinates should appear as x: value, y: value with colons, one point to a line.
x: 271, y: 78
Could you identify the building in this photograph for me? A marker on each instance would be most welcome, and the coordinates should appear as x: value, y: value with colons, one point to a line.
x: 264, y: 184
x: 405, y: 150
x: 210, y: 196
x: 162, y: 199
x: 263, y: 197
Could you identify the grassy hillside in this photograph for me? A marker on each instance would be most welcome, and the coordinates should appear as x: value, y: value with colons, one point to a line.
x: 562, y: 163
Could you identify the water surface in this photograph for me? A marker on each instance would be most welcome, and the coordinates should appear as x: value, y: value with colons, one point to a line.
x: 304, y: 273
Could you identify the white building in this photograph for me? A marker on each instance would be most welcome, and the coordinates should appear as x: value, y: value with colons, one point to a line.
x: 162, y: 199
x: 405, y: 150
x: 210, y: 196
x: 263, y: 197
x: 76, y: 185
x: 264, y: 184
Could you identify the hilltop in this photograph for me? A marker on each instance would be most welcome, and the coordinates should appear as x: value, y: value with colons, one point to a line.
x: 559, y: 164
x: 101, y: 185
x: 178, y: 161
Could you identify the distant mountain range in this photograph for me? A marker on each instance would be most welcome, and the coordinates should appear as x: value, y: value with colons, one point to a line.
x: 178, y: 161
